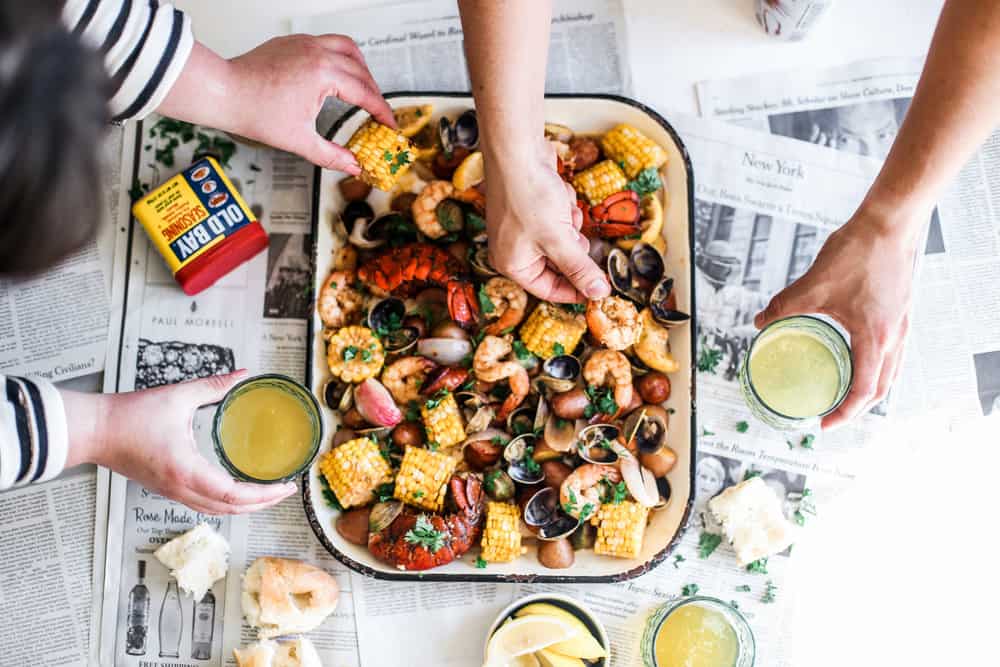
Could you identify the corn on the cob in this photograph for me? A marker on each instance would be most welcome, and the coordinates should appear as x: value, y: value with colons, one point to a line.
x: 383, y: 153
x: 600, y: 181
x: 632, y: 149
x: 443, y: 420
x: 620, y: 529
x: 354, y: 469
x: 355, y: 354
x: 548, y: 327
x: 423, y: 478
x: 502, y: 534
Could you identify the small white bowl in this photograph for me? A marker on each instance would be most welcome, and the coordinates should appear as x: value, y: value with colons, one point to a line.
x: 571, y: 605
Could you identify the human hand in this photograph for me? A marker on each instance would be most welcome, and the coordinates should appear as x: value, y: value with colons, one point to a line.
x: 146, y: 436
x: 862, y: 277
x: 534, y: 224
x: 274, y: 93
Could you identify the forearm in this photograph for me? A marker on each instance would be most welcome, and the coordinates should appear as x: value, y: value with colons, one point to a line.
x: 506, y: 47
x: 206, y: 92
x: 88, y: 415
x: 956, y: 106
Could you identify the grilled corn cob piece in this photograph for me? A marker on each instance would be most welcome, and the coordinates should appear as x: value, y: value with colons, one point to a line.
x: 355, y: 354
x: 353, y: 470
x: 632, y: 149
x: 597, y: 183
x: 423, y: 478
x: 502, y: 534
x: 443, y: 420
x: 383, y: 153
x: 620, y: 529
x: 549, y: 326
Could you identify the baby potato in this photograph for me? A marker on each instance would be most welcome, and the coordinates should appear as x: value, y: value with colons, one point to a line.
x: 659, y: 462
x: 556, y: 554
x: 408, y: 434
x: 353, y: 525
x: 570, y: 404
x: 654, y: 387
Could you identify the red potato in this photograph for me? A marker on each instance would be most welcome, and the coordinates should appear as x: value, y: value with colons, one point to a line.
x: 570, y: 404
x: 375, y: 404
x: 556, y: 554
x: 654, y: 387
x: 481, y: 454
x: 352, y: 525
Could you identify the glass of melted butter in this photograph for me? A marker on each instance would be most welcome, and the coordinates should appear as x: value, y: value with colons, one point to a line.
x: 267, y: 429
x: 697, y: 631
x: 797, y: 370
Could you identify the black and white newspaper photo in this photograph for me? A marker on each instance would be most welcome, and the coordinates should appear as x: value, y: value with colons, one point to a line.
x: 858, y: 108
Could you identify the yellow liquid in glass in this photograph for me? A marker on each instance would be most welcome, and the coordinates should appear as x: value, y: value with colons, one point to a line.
x: 795, y: 374
x: 266, y: 433
x: 693, y: 636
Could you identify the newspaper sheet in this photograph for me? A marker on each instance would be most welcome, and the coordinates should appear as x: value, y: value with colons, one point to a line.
x: 417, y: 46
x: 952, y: 364
x: 55, y: 324
x: 255, y: 319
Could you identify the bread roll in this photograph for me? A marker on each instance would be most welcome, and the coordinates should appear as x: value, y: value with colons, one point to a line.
x: 751, y: 516
x: 298, y: 652
x: 283, y: 597
x: 196, y: 559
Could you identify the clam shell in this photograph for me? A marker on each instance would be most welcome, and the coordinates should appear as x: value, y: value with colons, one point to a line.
x: 591, y: 447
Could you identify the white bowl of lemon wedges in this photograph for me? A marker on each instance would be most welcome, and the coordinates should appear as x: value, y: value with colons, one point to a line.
x: 546, y: 630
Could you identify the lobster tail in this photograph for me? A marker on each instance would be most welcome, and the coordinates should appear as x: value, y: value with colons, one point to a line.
x: 462, y: 302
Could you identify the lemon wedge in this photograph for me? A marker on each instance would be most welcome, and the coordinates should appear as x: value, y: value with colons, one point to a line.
x: 547, y: 658
x: 651, y: 222
x: 526, y: 635
x: 470, y: 173
x: 411, y: 120
x: 583, y: 645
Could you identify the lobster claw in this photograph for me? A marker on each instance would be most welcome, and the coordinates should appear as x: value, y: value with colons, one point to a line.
x: 462, y: 303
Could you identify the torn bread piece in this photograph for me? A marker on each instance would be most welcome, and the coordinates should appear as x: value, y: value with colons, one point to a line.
x: 285, y: 597
x: 297, y: 652
x: 751, y: 516
x: 196, y: 559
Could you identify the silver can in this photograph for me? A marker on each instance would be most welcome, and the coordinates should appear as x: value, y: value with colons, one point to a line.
x: 790, y: 19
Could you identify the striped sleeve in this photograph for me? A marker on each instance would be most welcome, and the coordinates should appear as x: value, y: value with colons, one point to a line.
x: 145, y: 45
x: 34, y: 438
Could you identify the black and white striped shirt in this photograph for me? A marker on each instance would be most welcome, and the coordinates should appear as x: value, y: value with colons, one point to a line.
x: 33, y: 432
x: 145, y: 45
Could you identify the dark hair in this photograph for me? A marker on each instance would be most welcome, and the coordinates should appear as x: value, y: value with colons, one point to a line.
x: 53, y: 117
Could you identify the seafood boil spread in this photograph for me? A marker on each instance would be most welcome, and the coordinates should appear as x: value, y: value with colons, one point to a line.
x: 473, y: 417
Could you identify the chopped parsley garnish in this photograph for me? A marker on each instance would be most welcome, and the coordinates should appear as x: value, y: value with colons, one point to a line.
x: 742, y: 427
x: 769, y: 592
x: 333, y: 284
x: 329, y: 495
x: 485, y: 303
x: 384, y: 492
x: 586, y: 511
x: 436, y: 399
x: 433, y: 445
x: 570, y: 507
x: 646, y: 181
x: 395, y: 323
x: 806, y: 506
x: 412, y: 411
x: 490, y: 480
x: 350, y: 352
x: 480, y: 563
x: 708, y: 358
x: 366, y: 354
x: 751, y: 473
x: 418, y: 494
x: 521, y: 351
x: 678, y: 559
x: 530, y: 464
x: 475, y: 222
x: 498, y: 440
x: 577, y: 308
x: 705, y: 432
x: 707, y: 543
x: 601, y: 400
x: 425, y: 535
x: 558, y: 349
x: 807, y: 441
x: 387, y: 156
x: 614, y: 494
x: 689, y: 589
x: 744, y: 588
x: 758, y: 566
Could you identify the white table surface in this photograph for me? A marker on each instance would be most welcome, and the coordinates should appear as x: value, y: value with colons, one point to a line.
x: 902, y: 570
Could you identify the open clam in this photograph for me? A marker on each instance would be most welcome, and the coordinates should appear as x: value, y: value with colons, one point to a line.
x: 386, y: 318
x: 663, y: 486
x: 663, y: 305
x: 646, y: 427
x: 480, y: 261
x: 594, y: 443
x: 635, y: 274
x: 396, y: 228
x: 560, y: 373
x: 383, y: 514
x: 520, y: 466
x: 498, y: 485
x: 463, y: 133
x: 560, y: 434
x: 338, y: 395
x: 542, y: 511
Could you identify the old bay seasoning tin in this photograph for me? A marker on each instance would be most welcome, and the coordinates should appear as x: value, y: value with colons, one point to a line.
x: 201, y: 225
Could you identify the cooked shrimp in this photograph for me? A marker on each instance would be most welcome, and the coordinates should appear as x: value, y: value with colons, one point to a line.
x: 509, y: 302
x: 614, y: 322
x: 338, y: 301
x: 405, y: 377
x: 609, y: 368
x: 425, y: 208
x: 490, y: 365
x: 580, y: 492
